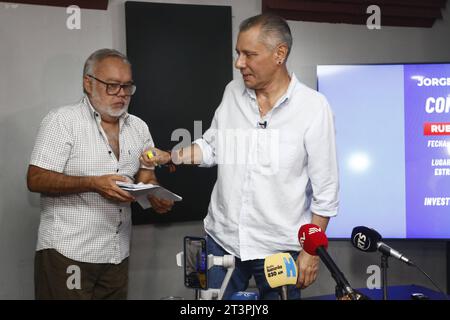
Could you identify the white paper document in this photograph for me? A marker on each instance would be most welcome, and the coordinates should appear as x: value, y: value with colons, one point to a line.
x: 140, y: 191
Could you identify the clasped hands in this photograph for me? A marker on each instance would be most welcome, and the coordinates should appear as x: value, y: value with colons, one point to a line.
x: 154, y: 157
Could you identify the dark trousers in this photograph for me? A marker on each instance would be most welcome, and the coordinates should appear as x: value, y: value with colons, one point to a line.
x: 58, y: 277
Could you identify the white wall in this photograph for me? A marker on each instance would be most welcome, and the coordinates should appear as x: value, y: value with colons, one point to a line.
x: 41, y: 66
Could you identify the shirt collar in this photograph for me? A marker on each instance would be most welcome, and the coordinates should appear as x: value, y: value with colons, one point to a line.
x: 124, y: 117
x: 285, y: 97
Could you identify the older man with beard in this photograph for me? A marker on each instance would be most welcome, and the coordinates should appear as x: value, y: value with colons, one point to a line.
x: 81, y: 152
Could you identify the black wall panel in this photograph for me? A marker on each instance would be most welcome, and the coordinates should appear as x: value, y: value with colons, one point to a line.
x: 182, y: 61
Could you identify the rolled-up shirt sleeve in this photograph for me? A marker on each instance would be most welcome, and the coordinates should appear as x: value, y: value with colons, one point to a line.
x: 208, y: 144
x: 320, y: 142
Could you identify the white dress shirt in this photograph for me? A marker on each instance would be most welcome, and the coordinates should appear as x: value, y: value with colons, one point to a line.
x: 272, y: 172
x: 87, y: 227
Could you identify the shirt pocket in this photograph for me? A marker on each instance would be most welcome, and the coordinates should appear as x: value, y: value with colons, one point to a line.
x: 291, y: 153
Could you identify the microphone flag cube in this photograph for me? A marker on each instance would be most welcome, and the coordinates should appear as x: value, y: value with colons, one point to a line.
x: 280, y: 269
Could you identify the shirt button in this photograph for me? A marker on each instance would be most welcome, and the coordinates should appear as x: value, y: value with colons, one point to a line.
x: 120, y: 210
x: 109, y: 152
x: 117, y: 170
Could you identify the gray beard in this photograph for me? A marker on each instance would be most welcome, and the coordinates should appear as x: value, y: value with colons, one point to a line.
x: 109, y: 111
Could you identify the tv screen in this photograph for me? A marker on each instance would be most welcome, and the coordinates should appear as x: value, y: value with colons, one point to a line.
x: 393, y: 140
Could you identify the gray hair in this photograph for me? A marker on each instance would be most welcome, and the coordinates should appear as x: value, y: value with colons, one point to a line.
x: 100, y: 55
x: 274, y: 30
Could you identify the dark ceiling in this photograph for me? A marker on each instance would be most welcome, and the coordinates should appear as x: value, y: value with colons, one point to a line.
x: 404, y: 13
x: 84, y: 4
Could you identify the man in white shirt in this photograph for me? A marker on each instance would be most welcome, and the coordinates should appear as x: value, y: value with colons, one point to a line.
x: 273, y: 140
x: 81, y: 151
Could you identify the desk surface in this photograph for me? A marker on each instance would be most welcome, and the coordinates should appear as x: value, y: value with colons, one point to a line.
x: 394, y: 293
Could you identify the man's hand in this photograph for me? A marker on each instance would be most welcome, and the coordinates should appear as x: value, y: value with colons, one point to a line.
x: 106, y: 186
x: 160, y: 205
x: 154, y: 157
x: 308, y: 268
x: 148, y: 176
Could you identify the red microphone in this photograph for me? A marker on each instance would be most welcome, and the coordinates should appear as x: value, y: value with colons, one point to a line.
x: 314, y: 241
x: 314, y: 236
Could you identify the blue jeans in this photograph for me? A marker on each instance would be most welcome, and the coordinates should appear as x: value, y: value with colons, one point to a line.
x: 242, y: 273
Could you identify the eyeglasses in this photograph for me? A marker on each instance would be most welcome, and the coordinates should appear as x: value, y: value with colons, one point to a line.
x: 114, y: 88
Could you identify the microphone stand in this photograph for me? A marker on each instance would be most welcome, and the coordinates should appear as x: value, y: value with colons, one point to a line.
x: 342, y: 284
x: 345, y: 292
x: 284, y: 293
x: 339, y: 292
x: 384, y: 266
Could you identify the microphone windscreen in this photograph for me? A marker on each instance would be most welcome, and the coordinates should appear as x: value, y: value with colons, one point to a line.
x: 280, y: 269
x: 312, y: 237
x: 244, y: 295
x: 365, y: 239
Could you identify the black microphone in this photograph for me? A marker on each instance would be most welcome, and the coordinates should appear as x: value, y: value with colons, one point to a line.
x: 369, y: 240
x: 262, y: 124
